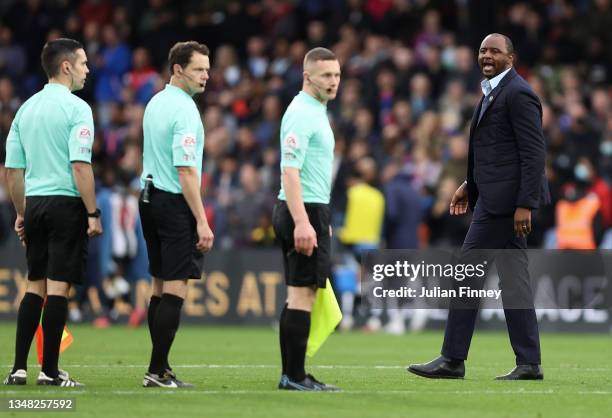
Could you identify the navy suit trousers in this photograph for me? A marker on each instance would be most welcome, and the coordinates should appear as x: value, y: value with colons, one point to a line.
x: 497, y: 232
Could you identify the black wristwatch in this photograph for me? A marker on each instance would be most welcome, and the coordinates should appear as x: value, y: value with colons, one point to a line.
x: 95, y: 214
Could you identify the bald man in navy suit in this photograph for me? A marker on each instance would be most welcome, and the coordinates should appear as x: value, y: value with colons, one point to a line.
x: 505, y: 183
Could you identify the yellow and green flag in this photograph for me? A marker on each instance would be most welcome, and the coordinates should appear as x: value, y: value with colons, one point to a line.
x: 325, y: 317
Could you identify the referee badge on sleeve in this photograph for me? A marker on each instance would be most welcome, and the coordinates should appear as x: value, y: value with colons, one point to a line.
x: 188, y: 142
x: 84, y: 135
x: 291, y: 141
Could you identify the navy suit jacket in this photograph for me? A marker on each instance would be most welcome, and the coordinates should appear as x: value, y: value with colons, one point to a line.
x: 507, y: 150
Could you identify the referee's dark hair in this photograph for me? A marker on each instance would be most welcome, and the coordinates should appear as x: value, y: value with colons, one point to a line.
x: 319, y: 54
x: 57, y: 51
x: 181, y: 53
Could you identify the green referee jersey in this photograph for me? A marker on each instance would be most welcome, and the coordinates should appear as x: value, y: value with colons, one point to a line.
x: 51, y: 129
x: 173, y: 137
x: 307, y: 143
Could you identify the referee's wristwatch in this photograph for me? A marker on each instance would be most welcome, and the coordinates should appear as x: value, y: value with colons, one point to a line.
x: 95, y: 214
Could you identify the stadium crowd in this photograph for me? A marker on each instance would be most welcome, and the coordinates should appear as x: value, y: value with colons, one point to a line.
x: 410, y: 83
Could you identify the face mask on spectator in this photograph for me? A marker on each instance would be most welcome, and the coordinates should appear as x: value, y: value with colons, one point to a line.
x: 581, y: 172
x: 258, y: 67
x: 232, y: 75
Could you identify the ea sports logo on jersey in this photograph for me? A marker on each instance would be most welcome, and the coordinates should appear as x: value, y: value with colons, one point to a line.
x: 189, y: 141
x: 84, y: 135
x: 291, y: 141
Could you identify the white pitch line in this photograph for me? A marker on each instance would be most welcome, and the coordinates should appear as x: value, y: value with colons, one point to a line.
x: 275, y: 366
x: 158, y: 392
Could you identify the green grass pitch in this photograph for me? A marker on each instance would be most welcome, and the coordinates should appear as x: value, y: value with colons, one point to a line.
x: 236, y: 371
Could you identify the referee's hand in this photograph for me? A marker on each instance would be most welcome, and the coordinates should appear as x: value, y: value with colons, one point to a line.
x: 20, y: 229
x: 305, y: 238
x: 94, y: 227
x: 205, y: 237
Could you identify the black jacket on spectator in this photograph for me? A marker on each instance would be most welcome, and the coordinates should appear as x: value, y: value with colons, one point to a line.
x: 507, y: 150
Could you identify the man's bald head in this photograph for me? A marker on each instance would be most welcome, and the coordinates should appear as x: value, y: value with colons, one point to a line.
x: 507, y: 41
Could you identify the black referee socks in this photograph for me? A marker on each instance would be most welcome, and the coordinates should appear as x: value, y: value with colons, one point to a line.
x: 54, y: 320
x: 28, y: 319
x: 153, y: 304
x: 281, y: 338
x: 296, y: 331
x: 164, y: 329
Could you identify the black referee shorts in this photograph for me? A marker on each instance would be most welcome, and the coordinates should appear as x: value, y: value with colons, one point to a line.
x: 170, y: 232
x: 301, y: 270
x: 56, y: 238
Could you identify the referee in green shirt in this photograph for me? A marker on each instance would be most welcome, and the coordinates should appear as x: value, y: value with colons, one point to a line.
x: 171, y: 208
x: 301, y: 217
x: 51, y: 183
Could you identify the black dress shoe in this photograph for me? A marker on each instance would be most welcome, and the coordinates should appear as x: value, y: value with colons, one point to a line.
x: 440, y: 368
x: 524, y: 372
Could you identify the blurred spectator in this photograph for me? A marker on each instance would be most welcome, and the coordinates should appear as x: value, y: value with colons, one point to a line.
x: 226, y: 180
x: 29, y: 20
x: 110, y: 66
x: 454, y: 107
x: 268, y: 128
x: 248, y: 210
x: 456, y: 164
x: 158, y: 28
x: 445, y: 230
x: 257, y: 61
x: 270, y: 171
x: 363, y: 126
x: 121, y: 22
x: 9, y: 103
x: 430, y: 35
x: 143, y: 80
x: 115, y: 132
x: 465, y: 68
x: 420, y: 95
x: 73, y: 27
x: 99, y: 11
x: 434, y: 70
x: 578, y: 219
x: 247, y: 148
x: 12, y: 55
x: 403, y: 208
x: 365, y: 208
x: 386, y: 87
x: 316, y: 34
x: 363, y: 224
x: 587, y: 178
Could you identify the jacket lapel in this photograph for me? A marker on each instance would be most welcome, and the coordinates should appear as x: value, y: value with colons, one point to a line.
x: 475, y: 116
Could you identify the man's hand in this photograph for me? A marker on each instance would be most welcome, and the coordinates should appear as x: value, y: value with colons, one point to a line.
x: 522, y: 222
x: 94, y: 227
x: 459, y: 202
x: 205, y: 237
x: 304, y: 238
x: 20, y: 229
